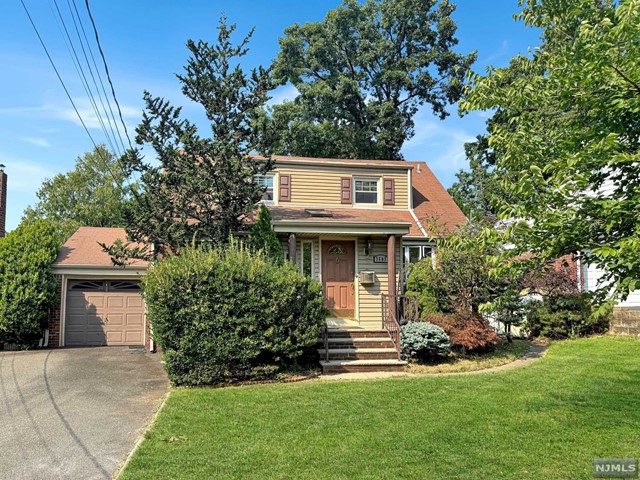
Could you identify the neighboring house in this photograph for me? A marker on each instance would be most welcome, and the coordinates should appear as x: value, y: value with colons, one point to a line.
x: 350, y: 224
x: 626, y: 314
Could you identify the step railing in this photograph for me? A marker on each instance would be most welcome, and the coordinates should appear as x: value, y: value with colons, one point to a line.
x: 325, y: 341
x: 397, y: 309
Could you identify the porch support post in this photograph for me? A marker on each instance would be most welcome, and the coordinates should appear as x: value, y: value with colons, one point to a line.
x: 292, y: 247
x: 391, y: 272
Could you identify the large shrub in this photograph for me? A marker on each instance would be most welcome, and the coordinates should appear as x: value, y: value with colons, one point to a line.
x: 468, y: 332
x: 27, y: 283
x: 460, y: 277
x: 563, y: 311
x: 229, y: 314
x: 423, y: 341
x: 564, y: 317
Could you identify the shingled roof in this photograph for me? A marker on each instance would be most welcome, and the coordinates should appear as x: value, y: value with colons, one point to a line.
x: 83, y: 249
x: 432, y: 204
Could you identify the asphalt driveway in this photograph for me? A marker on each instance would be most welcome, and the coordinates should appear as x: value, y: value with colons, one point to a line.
x: 74, y: 413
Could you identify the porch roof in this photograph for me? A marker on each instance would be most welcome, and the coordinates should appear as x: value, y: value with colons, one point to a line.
x: 341, y: 220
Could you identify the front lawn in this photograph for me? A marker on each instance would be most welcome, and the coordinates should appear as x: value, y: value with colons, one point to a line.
x: 505, y: 352
x: 545, y: 421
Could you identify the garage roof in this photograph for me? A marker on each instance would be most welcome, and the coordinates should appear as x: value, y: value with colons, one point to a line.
x: 83, y: 248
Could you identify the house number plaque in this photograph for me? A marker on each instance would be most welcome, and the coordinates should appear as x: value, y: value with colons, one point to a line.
x: 380, y: 259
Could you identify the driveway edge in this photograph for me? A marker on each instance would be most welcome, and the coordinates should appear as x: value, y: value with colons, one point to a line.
x: 140, y: 438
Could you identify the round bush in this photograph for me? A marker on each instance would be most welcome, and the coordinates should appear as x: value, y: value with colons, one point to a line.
x: 228, y: 314
x: 424, y: 341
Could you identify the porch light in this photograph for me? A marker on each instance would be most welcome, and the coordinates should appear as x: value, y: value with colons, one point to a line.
x: 368, y: 246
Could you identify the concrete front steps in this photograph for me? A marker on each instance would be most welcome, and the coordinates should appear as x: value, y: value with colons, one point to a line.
x: 358, y: 350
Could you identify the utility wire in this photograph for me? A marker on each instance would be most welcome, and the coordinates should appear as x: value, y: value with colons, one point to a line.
x: 83, y: 77
x: 46, y: 51
x: 106, y: 69
x: 84, y: 52
x: 95, y: 65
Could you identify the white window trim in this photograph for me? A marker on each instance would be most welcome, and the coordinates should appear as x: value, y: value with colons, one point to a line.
x: 378, y: 192
x: 273, y: 177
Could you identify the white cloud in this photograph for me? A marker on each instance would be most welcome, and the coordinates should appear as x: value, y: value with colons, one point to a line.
x: 440, y: 145
x: 40, y: 142
x: 500, y: 52
x: 66, y: 112
x: 283, y: 93
x: 23, y: 175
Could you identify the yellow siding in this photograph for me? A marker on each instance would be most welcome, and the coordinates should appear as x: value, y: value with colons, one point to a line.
x: 317, y: 186
x: 369, y: 300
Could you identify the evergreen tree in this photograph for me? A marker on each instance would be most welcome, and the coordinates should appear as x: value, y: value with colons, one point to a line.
x: 202, y: 188
x: 262, y: 236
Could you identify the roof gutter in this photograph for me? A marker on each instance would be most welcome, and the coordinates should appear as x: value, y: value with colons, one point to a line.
x: 356, y: 228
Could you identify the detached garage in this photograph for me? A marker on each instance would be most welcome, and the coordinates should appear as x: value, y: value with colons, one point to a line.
x: 100, y: 304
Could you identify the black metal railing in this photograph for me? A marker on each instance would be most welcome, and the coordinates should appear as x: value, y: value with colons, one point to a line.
x: 325, y: 341
x: 396, y: 311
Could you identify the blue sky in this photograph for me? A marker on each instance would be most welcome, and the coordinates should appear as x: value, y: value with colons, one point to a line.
x: 144, y: 44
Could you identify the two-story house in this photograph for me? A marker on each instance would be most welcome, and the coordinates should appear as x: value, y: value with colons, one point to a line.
x: 352, y: 225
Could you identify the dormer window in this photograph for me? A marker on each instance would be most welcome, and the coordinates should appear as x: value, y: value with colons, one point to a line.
x: 365, y: 191
x: 266, y: 182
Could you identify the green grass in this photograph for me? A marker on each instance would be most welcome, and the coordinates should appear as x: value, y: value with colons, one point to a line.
x: 505, y: 352
x: 548, y: 420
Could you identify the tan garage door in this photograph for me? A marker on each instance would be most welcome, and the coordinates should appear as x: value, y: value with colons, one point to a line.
x: 101, y: 312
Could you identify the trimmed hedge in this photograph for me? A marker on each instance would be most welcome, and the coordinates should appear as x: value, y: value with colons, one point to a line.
x: 423, y: 341
x: 27, y: 284
x: 229, y: 315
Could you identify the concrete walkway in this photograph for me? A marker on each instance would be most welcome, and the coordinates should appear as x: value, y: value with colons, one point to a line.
x: 74, y: 413
x: 536, y: 352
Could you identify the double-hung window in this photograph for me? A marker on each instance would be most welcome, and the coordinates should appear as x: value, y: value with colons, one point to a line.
x: 266, y: 182
x: 365, y: 190
x: 413, y: 253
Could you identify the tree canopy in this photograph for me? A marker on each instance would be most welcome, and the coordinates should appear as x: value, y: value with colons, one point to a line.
x: 93, y: 194
x: 573, y: 135
x: 202, y: 188
x: 362, y: 74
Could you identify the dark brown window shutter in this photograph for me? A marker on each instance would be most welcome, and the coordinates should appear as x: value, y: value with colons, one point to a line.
x: 345, y: 190
x: 285, y: 188
x: 389, y: 191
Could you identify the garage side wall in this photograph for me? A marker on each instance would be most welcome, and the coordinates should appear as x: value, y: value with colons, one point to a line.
x: 54, y: 319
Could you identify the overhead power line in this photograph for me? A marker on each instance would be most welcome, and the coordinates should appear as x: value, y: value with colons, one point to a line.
x: 75, y: 108
x: 106, y: 69
x: 83, y: 77
x: 113, y: 124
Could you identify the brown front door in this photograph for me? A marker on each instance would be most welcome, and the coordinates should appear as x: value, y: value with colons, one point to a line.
x: 338, y: 270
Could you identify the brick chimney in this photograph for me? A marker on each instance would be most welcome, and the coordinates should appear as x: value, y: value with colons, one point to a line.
x: 3, y: 201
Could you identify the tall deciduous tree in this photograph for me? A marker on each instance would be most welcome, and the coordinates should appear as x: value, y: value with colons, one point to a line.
x: 573, y: 135
x: 202, y: 187
x: 475, y: 190
x: 93, y: 194
x: 363, y: 73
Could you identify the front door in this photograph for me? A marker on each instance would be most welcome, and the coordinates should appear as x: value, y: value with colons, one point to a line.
x: 338, y: 271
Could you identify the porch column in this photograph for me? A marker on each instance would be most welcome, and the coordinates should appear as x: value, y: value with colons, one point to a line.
x: 292, y: 248
x: 391, y: 272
